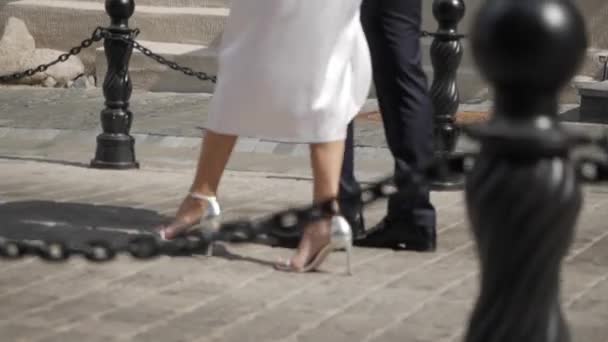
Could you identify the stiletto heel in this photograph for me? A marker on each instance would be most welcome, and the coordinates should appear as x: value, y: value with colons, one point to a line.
x: 207, y: 228
x: 341, y: 238
x: 208, y: 223
x: 349, y: 251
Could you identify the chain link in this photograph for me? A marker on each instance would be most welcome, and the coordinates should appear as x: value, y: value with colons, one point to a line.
x: 98, y: 34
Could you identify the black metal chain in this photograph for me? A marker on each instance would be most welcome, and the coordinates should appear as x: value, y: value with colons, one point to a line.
x: 101, y: 33
x: 147, y: 246
x: 203, y: 76
x: 98, y: 34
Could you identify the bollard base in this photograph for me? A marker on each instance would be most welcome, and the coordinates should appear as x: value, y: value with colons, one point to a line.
x: 96, y: 164
x: 449, y: 183
x: 115, y: 151
x: 445, y: 179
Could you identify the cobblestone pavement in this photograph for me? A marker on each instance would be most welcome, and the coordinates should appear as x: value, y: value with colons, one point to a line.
x: 237, y: 296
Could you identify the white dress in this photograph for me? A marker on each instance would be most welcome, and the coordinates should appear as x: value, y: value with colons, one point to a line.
x: 291, y: 70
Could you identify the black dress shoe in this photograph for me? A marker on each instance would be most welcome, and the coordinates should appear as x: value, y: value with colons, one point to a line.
x: 388, y: 235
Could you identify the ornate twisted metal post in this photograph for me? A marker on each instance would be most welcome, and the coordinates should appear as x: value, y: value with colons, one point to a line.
x: 115, y: 147
x: 523, y: 196
x: 446, y: 55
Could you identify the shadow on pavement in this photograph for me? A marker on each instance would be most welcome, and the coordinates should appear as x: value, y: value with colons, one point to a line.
x: 47, y: 161
x: 79, y: 223
x: 74, y: 222
x: 221, y: 251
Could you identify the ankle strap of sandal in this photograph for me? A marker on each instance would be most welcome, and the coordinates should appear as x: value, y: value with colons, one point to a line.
x: 329, y: 208
x: 201, y: 197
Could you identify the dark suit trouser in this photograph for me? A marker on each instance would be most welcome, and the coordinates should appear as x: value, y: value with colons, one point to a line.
x: 392, y: 28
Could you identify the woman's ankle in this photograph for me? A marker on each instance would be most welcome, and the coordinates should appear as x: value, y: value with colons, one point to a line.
x: 203, y: 191
x: 329, y: 206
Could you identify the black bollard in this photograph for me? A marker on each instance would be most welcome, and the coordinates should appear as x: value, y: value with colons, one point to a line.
x: 523, y: 196
x: 115, y: 147
x: 446, y: 55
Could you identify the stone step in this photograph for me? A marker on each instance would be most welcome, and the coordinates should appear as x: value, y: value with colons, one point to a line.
x: 594, y: 103
x: 61, y: 24
x: 147, y: 74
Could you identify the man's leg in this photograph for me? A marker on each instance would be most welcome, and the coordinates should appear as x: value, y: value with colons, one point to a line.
x: 351, y: 209
x: 349, y: 187
x: 394, y: 38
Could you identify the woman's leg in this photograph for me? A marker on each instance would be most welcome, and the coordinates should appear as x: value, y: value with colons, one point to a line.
x: 215, y: 152
x: 326, y: 162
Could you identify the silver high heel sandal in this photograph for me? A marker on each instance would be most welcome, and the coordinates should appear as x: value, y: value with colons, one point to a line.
x: 209, y: 222
x: 341, y: 238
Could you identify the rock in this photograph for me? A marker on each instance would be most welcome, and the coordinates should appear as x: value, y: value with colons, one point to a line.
x: 17, y: 37
x: 84, y: 82
x: 49, y: 82
x: 18, y: 53
x: 15, y: 42
x: 63, y: 73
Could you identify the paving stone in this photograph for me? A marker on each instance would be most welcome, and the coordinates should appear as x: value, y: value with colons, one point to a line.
x: 585, y: 268
x: 589, y: 314
x: 433, y: 322
x: 270, y: 327
x: 329, y: 296
x: 197, y: 321
x: 27, y: 274
x: 467, y: 292
x: 73, y: 336
x: 15, y: 331
x: 447, y: 270
x: 13, y: 306
x: 237, y: 278
x: 69, y: 311
x: 140, y: 314
x: 364, y: 317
